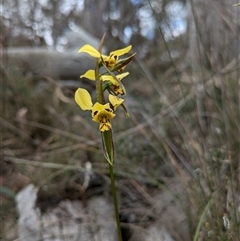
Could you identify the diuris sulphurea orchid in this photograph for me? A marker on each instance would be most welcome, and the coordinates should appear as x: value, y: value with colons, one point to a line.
x: 101, y: 113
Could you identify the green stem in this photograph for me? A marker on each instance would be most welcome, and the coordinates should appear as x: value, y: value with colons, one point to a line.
x: 99, y: 91
x: 98, y: 83
x: 114, y: 193
x: 109, y: 148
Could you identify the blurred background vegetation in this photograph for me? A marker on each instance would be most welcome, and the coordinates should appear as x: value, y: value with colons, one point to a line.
x: 183, y: 95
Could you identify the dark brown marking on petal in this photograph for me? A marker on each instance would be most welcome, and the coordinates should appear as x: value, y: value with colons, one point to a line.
x: 95, y: 112
x: 109, y: 110
x: 107, y: 125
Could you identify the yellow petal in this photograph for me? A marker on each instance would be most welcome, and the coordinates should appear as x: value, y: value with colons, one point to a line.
x: 123, y: 75
x: 110, y: 78
x: 120, y: 52
x: 83, y: 99
x: 99, y: 107
x: 90, y: 74
x: 90, y: 50
x: 115, y: 101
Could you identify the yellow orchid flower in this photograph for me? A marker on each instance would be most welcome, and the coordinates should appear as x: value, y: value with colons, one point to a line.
x: 109, y: 61
x: 103, y: 113
x: 115, y: 86
x: 100, y: 113
x: 112, y: 59
x: 113, y: 80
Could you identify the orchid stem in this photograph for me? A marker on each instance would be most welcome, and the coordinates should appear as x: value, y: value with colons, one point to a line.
x: 98, y: 83
x: 109, y: 148
x: 99, y: 90
x: 107, y: 142
x: 114, y: 193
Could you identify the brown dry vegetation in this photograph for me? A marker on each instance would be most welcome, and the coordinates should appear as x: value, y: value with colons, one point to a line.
x: 183, y: 128
x: 163, y: 139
